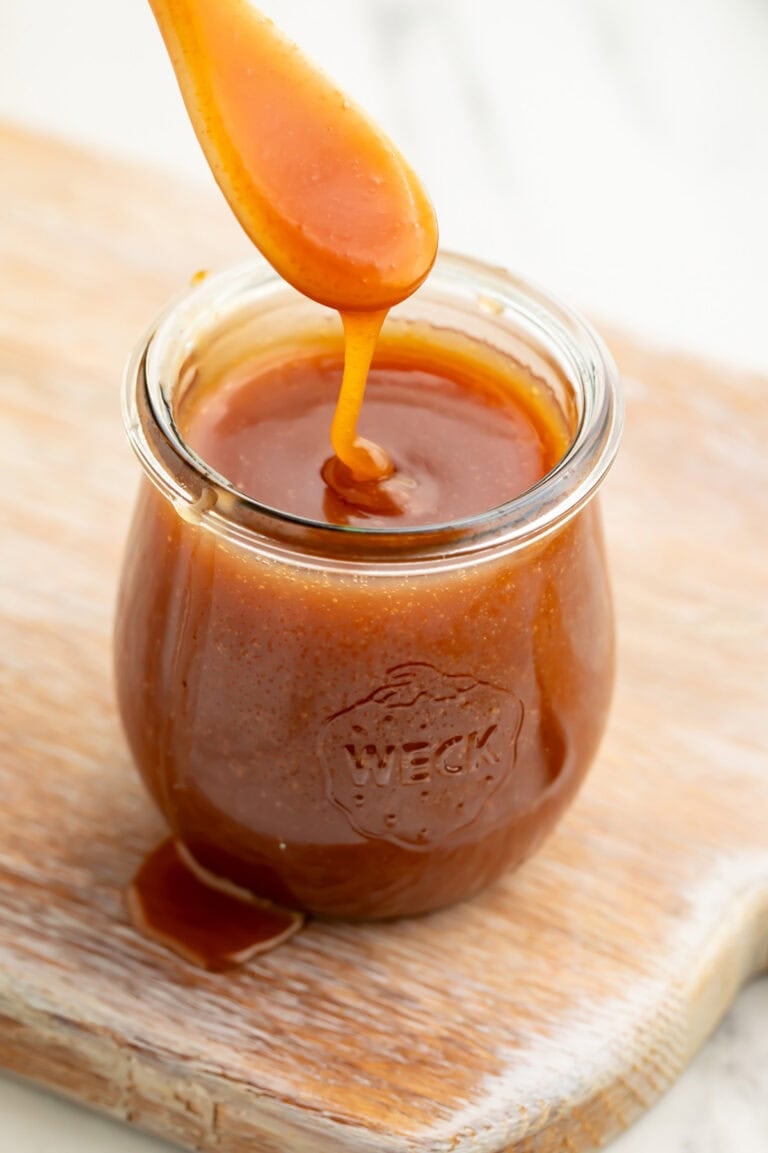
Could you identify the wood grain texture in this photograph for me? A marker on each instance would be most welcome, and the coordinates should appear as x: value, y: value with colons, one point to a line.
x: 542, y: 1017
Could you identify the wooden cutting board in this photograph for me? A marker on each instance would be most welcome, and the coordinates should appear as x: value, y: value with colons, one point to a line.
x: 542, y: 1017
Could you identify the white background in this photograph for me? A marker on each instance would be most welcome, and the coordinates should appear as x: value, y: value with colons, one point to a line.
x: 615, y: 150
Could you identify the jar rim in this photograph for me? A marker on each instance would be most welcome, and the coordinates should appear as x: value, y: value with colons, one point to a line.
x: 201, y: 494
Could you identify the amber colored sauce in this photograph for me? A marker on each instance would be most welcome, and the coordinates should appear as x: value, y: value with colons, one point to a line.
x: 320, y: 190
x: 463, y: 436
x: 351, y: 743
x: 207, y: 926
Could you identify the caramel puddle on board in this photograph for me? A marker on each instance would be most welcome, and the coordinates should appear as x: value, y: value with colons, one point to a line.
x: 206, y: 925
x: 319, y: 189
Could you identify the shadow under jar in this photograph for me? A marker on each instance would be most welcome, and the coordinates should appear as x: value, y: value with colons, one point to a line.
x: 365, y: 723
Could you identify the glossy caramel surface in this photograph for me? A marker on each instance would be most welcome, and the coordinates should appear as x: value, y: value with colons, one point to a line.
x: 464, y: 435
x: 209, y: 927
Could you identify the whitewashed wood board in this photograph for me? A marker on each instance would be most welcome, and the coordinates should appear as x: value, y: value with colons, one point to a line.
x: 543, y: 1016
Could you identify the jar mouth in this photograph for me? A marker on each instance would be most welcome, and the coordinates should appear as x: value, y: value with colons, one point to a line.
x: 498, y: 298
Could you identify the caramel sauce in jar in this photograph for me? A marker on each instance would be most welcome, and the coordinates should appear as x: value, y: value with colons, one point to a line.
x: 367, y: 711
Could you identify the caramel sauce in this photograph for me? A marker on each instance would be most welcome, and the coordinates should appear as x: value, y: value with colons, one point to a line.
x: 208, y: 926
x: 355, y: 744
x: 464, y: 435
x: 365, y: 741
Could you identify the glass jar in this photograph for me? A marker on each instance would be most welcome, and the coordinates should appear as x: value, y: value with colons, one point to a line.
x: 365, y: 723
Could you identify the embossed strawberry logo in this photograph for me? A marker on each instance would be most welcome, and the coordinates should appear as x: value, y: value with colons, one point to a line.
x: 420, y: 755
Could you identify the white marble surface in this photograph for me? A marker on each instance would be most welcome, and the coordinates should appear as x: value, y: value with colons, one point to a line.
x: 616, y: 150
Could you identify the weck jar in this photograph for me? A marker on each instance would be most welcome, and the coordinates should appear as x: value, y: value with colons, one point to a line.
x: 365, y: 723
